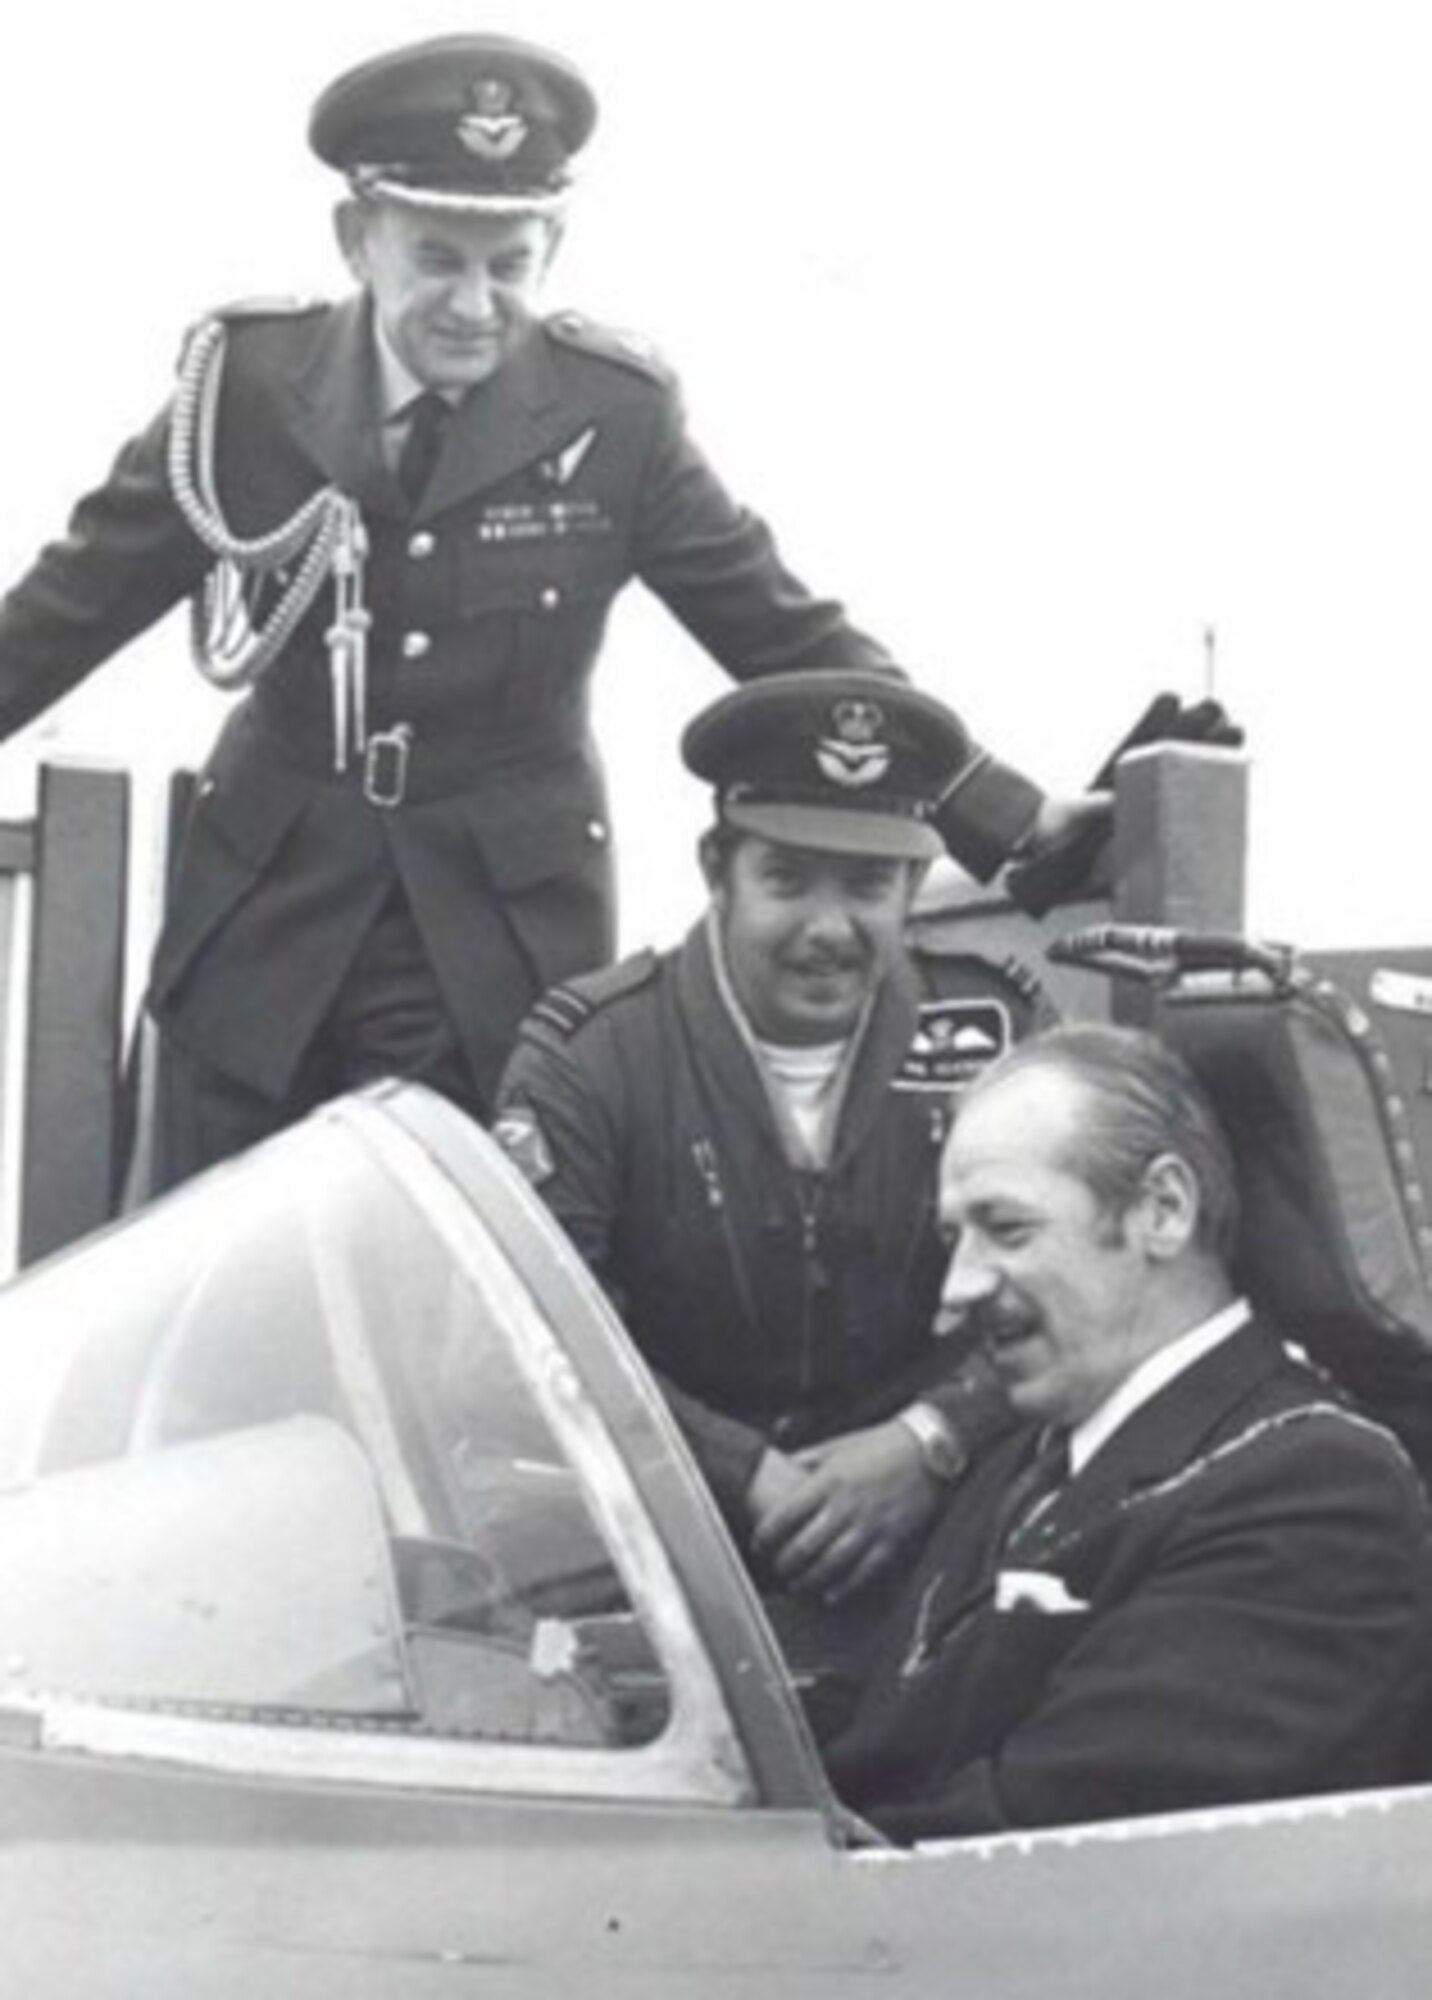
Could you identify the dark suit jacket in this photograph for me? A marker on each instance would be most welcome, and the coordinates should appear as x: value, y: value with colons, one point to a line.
x: 565, y: 476
x: 1232, y: 1601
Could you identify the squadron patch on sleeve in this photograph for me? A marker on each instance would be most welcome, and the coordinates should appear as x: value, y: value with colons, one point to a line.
x: 518, y: 1131
x: 954, y: 1040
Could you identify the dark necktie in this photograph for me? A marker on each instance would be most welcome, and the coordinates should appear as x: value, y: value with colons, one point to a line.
x: 1027, y: 1494
x: 1033, y: 1487
x: 428, y: 419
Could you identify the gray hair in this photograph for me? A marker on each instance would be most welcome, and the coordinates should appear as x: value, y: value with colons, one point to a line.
x: 1143, y: 1100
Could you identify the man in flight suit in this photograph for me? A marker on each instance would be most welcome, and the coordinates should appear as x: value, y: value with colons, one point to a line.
x: 742, y: 1136
x: 406, y: 516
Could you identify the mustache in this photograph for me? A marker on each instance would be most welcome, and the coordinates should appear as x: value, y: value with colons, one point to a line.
x: 827, y: 960
x: 993, y: 1320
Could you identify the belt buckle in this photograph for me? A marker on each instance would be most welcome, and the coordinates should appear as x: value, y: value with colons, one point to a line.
x: 385, y: 766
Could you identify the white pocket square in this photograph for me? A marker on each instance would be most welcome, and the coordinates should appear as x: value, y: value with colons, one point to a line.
x: 1034, y: 1590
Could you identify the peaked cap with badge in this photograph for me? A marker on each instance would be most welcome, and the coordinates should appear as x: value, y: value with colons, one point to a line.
x: 480, y: 122
x: 843, y: 761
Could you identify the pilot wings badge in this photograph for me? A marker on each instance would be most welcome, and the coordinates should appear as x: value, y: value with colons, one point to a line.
x: 853, y: 754
x: 562, y: 467
x: 492, y: 129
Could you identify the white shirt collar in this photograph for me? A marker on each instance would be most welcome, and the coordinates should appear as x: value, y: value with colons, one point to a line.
x: 1149, y: 1377
x: 398, y: 387
x: 397, y: 384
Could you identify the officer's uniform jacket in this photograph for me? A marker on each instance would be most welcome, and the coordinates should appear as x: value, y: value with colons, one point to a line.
x: 566, y: 475
x: 777, y: 1306
x: 1231, y: 1601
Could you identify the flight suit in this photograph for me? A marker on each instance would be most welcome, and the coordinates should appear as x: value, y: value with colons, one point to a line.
x: 778, y: 1306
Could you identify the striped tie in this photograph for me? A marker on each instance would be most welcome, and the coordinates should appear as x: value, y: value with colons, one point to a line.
x: 1033, y: 1486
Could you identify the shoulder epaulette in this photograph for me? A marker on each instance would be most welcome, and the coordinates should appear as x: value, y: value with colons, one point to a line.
x: 276, y: 307
x: 564, y: 1010
x: 607, y: 343
x: 243, y: 312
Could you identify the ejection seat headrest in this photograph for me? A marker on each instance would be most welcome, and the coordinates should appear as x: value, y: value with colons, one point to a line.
x: 1336, y: 1244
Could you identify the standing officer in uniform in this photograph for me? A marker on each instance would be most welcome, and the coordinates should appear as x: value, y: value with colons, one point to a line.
x: 404, y: 519
x: 741, y: 1137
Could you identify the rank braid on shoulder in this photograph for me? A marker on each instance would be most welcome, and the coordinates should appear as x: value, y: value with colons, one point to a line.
x: 563, y: 1011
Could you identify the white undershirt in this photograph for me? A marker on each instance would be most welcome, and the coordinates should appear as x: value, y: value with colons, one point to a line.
x: 1149, y: 1377
x: 805, y: 1077
x: 805, y: 1096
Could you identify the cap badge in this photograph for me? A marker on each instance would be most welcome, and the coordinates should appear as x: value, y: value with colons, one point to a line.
x: 852, y: 754
x: 492, y: 129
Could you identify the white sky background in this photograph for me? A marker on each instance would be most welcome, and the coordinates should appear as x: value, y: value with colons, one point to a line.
x: 1048, y: 333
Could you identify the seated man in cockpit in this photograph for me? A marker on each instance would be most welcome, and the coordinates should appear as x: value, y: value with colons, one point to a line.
x: 1196, y: 1575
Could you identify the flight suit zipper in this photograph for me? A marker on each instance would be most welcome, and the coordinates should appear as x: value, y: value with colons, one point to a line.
x: 703, y: 1155
x: 814, y: 1276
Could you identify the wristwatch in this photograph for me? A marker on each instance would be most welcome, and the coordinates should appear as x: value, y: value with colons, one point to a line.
x: 942, y: 1453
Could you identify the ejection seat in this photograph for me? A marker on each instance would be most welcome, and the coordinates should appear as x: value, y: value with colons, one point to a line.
x: 1336, y: 1240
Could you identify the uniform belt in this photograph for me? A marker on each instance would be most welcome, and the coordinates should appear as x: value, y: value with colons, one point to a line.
x: 387, y: 760
x: 406, y: 765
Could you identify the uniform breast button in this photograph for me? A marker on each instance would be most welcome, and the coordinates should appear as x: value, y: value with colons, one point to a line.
x: 416, y: 645
x: 597, y: 831
x: 421, y: 545
x: 550, y: 598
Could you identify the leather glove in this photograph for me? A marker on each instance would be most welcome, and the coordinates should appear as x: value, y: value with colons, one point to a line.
x: 1059, y: 873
